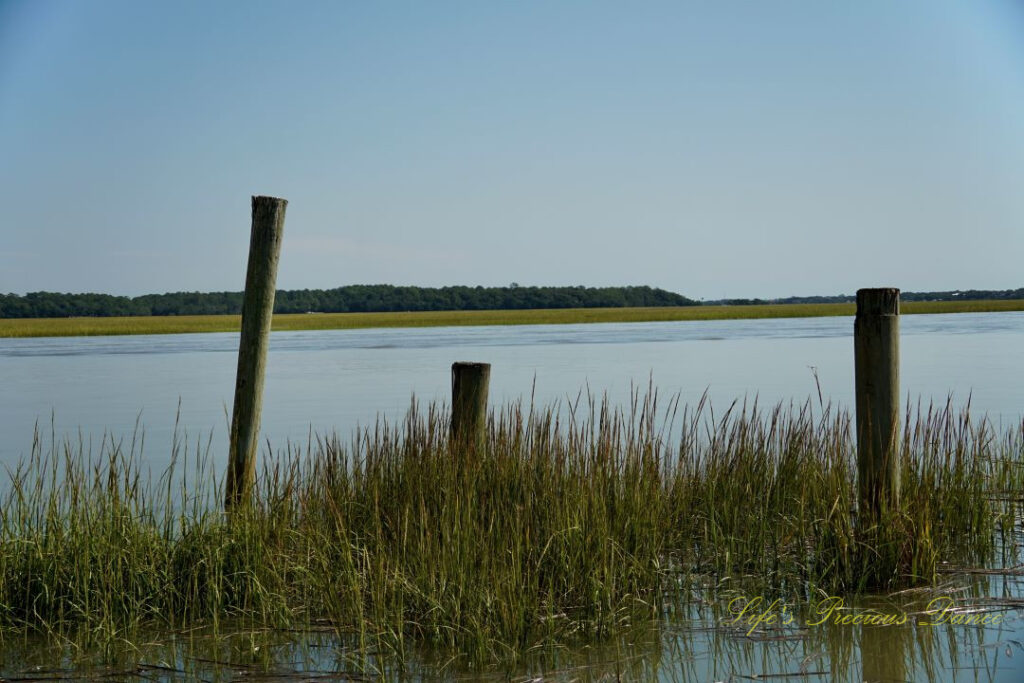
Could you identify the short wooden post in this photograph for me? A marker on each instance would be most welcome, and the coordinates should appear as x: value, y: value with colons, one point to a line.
x: 470, y: 382
x: 876, y: 340
x: 257, y: 311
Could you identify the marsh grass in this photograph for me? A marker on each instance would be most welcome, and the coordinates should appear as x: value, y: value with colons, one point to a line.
x: 77, y: 327
x: 575, y: 523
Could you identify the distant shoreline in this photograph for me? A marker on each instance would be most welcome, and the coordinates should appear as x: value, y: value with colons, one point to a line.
x: 101, y: 326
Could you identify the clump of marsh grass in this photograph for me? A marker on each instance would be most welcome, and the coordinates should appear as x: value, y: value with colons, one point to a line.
x: 571, y: 524
x: 774, y: 496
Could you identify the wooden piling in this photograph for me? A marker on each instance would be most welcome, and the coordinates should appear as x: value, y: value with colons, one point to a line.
x: 470, y: 383
x: 876, y: 339
x: 257, y: 311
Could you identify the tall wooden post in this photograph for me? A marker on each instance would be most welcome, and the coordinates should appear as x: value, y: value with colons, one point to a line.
x: 257, y: 311
x: 876, y: 341
x: 470, y: 383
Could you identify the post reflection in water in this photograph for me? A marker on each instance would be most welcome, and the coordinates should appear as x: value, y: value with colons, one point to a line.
x: 883, y: 653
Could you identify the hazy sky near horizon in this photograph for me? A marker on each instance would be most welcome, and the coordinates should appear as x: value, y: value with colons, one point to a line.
x: 717, y: 149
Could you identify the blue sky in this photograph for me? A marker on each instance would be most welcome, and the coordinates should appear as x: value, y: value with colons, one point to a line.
x: 717, y: 149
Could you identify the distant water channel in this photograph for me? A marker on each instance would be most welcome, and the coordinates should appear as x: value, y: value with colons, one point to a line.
x: 331, y: 381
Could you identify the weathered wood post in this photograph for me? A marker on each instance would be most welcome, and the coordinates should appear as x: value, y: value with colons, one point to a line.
x: 876, y: 340
x: 257, y: 311
x: 470, y: 382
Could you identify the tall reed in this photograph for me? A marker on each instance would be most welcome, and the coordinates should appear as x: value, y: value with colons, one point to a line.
x: 575, y: 522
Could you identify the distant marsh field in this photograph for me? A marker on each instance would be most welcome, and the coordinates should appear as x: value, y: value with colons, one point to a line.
x: 71, y: 327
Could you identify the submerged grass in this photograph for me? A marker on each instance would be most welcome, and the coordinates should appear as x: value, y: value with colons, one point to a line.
x: 572, y: 524
x: 79, y: 327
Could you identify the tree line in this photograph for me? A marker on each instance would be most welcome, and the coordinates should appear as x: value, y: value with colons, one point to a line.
x: 351, y: 298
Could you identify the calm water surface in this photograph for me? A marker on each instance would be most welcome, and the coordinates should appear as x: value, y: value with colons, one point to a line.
x: 332, y: 381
